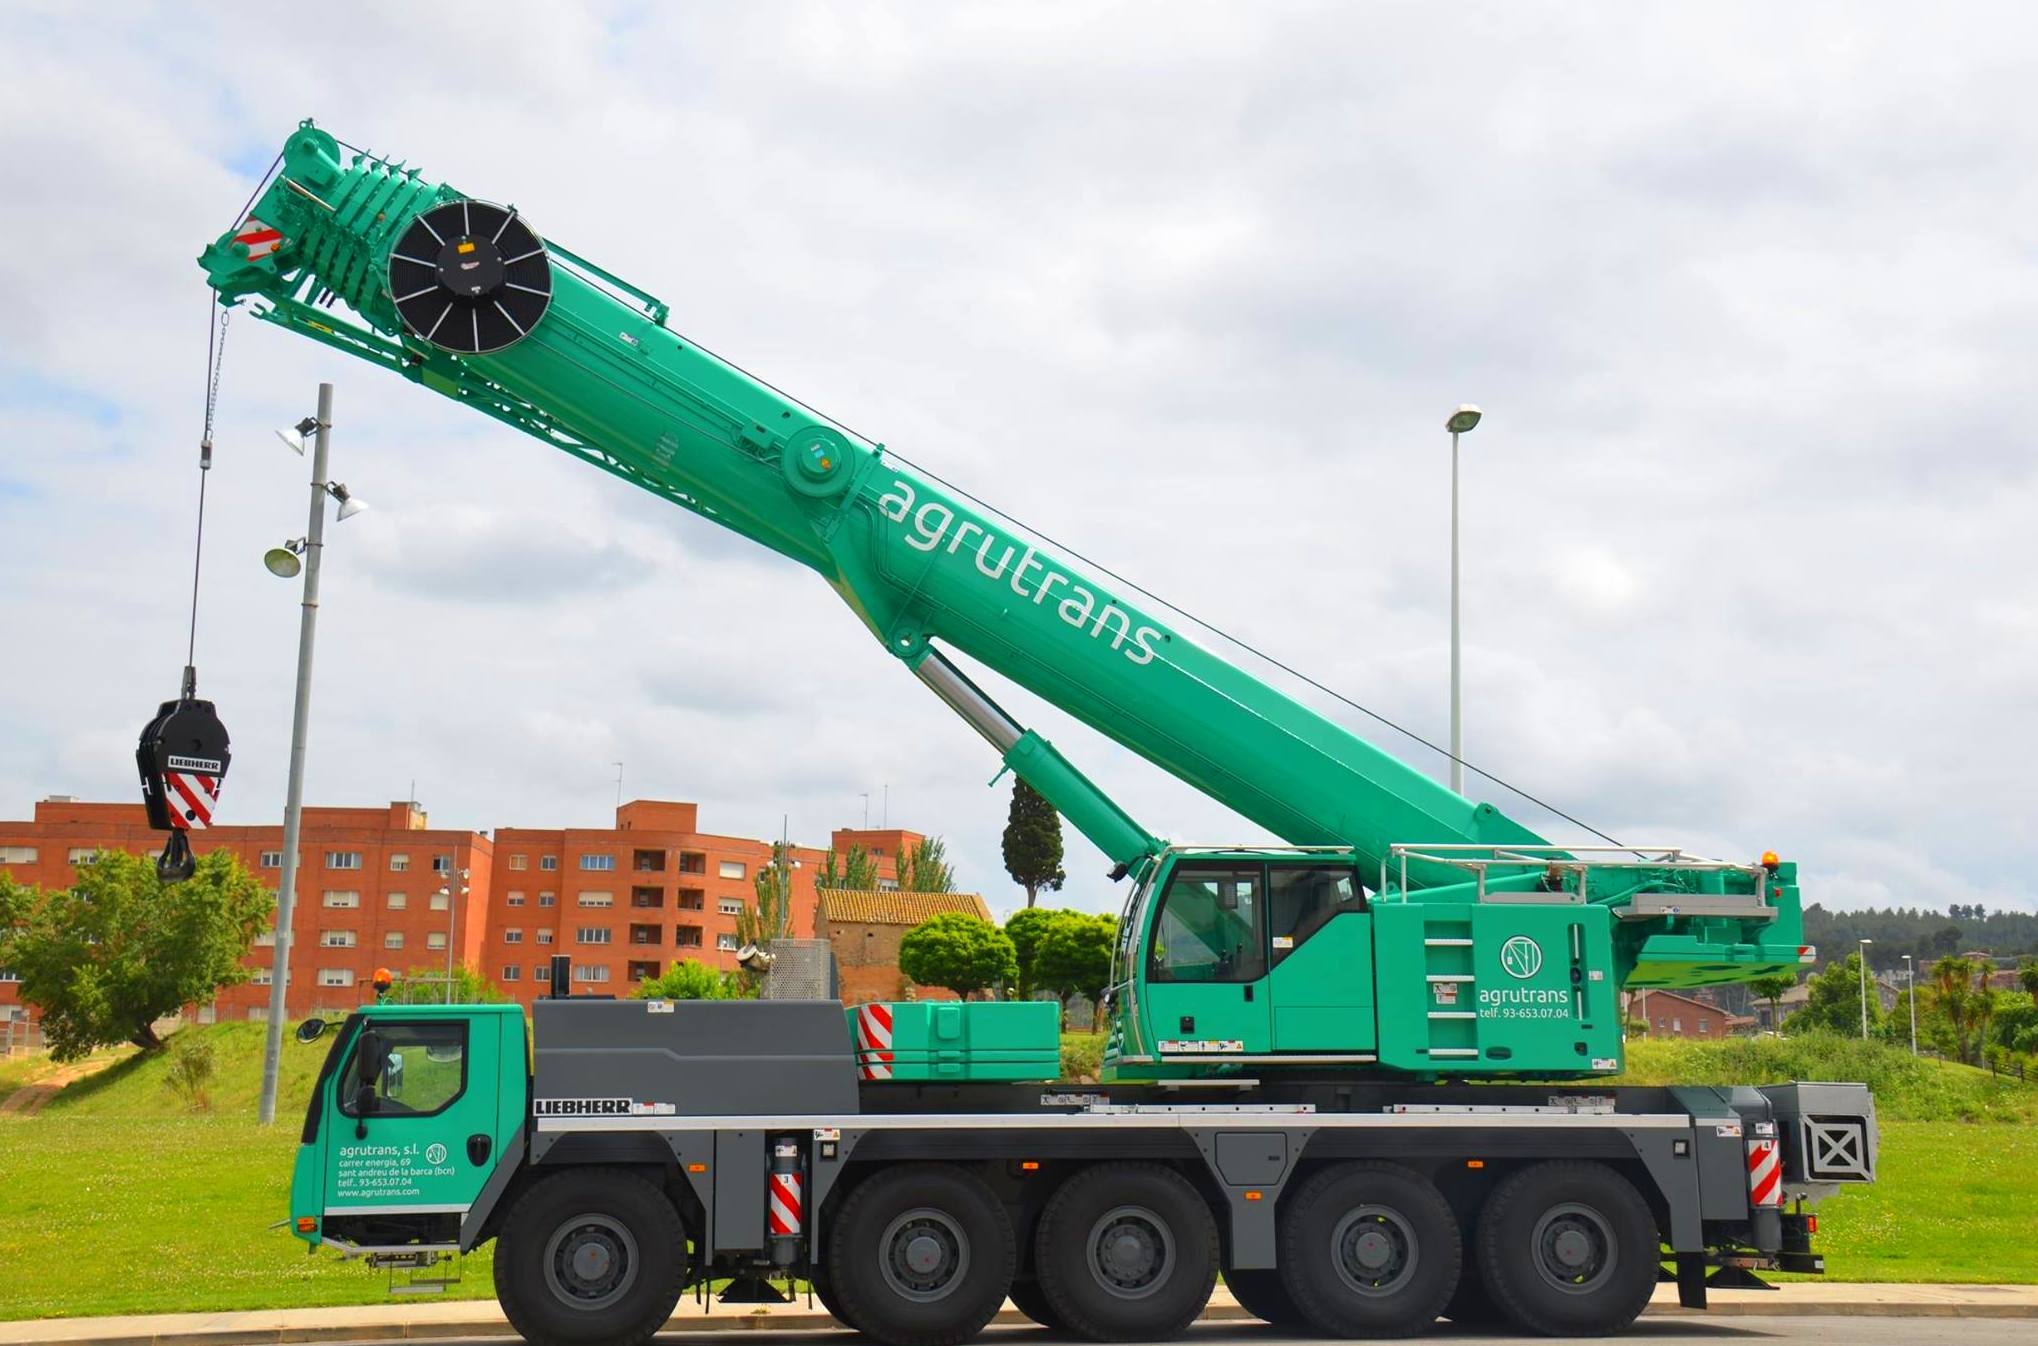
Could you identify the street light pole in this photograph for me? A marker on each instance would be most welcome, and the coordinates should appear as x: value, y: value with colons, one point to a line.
x: 1461, y: 421
x: 300, y: 722
x: 1911, y: 981
x: 456, y: 886
x: 1864, y: 987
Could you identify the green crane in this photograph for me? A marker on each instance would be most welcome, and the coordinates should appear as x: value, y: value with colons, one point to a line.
x: 1403, y: 927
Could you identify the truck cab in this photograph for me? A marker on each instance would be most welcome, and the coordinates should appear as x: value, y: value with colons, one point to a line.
x: 413, y: 1108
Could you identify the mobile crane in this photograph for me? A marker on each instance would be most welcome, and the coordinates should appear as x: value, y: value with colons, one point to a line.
x: 1292, y: 1028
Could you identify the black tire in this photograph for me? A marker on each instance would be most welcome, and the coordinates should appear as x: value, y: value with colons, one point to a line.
x: 921, y: 1255
x: 825, y: 1292
x: 1471, y: 1306
x: 1568, y: 1248
x: 1126, y: 1252
x: 590, y: 1256
x: 1261, y: 1294
x: 1369, y: 1250
x: 1031, y: 1300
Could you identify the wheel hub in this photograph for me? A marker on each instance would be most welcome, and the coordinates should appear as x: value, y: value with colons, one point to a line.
x: 591, y: 1261
x: 471, y: 267
x: 923, y: 1255
x: 1574, y: 1248
x: 1375, y: 1250
x: 1131, y: 1252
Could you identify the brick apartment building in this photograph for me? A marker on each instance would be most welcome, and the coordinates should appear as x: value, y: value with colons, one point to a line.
x: 373, y: 891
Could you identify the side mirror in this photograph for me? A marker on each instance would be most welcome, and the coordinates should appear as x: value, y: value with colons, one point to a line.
x: 311, y: 1030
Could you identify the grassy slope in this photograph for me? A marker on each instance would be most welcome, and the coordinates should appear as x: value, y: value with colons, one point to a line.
x: 119, y: 1199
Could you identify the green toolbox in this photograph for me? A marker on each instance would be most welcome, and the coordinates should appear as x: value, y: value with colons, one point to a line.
x: 957, y: 1040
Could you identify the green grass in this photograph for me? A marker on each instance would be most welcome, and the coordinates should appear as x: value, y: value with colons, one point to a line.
x: 119, y: 1198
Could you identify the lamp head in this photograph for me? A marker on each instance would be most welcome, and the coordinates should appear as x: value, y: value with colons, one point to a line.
x: 282, y: 561
x: 294, y: 438
x: 1463, y: 419
x: 349, y: 505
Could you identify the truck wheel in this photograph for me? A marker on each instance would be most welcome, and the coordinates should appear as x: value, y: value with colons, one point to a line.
x: 921, y: 1255
x: 1568, y: 1248
x: 590, y: 1255
x: 1261, y: 1294
x: 825, y: 1292
x: 1031, y: 1300
x: 1369, y: 1250
x: 1127, y: 1252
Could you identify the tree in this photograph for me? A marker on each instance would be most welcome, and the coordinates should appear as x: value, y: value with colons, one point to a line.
x: 1964, y: 1008
x: 856, y: 872
x: 1032, y: 843
x: 689, y: 980
x: 964, y: 953
x: 119, y: 949
x: 426, y: 985
x: 1026, y: 929
x: 925, y: 868
x: 1075, y: 958
x: 771, y: 916
x: 2027, y: 976
x: 1833, y: 1001
x: 1772, y: 989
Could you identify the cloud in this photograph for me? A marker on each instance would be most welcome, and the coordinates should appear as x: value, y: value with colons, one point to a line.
x: 1748, y: 542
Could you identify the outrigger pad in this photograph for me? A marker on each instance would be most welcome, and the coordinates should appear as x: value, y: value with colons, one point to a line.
x: 183, y: 757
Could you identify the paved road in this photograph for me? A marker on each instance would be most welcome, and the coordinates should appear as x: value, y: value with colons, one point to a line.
x: 1651, y: 1331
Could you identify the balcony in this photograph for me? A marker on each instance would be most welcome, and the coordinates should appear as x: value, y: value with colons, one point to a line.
x: 643, y: 971
x: 693, y: 862
x: 693, y: 899
x: 648, y: 862
x: 686, y: 936
x: 647, y: 934
x: 647, y: 898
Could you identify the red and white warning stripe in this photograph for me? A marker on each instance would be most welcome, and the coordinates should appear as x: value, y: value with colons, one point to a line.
x: 1765, y: 1173
x: 784, y: 1207
x: 874, y: 1041
x: 258, y: 238
x: 192, y: 798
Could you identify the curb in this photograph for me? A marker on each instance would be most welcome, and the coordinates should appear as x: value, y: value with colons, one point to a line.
x: 816, y: 1321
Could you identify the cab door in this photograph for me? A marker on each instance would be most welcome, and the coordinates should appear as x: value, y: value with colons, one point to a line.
x: 413, y: 1115
x: 1206, y: 962
x: 1321, y: 948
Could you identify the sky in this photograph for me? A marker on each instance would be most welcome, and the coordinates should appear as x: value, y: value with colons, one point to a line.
x: 1749, y: 297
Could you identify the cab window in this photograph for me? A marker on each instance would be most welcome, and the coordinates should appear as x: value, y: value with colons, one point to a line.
x: 1303, y: 898
x: 424, y: 1070
x: 1210, y: 926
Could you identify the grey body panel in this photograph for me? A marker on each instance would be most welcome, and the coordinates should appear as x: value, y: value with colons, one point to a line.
x: 506, y: 1166
x: 699, y: 1058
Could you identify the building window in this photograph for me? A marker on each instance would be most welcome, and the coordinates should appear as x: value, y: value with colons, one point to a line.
x: 272, y: 859
x: 258, y: 1014
x: 512, y: 971
x: 399, y: 861
x: 9, y: 974
x: 540, y: 972
x: 341, y: 899
x: 692, y: 899
x: 692, y: 862
x: 336, y: 939
x: 336, y: 976
x: 648, y: 862
x: 343, y: 859
x: 1704, y: 1027
x: 647, y: 934
x: 436, y: 940
x: 266, y: 940
x: 592, y: 934
x: 726, y: 943
x: 1677, y: 1025
x: 512, y: 935
x: 392, y: 939
x: 17, y: 855
x: 730, y: 906
x: 647, y: 898
x: 519, y: 862
x: 548, y: 862
x: 544, y: 937
x: 208, y: 1014
x: 442, y: 864
x: 515, y: 899
x: 597, y: 899
x: 686, y: 936
x: 398, y: 901
x: 548, y: 899
x: 642, y: 971
x: 733, y: 869
x: 590, y: 974
x: 440, y: 901
x: 263, y: 977
x: 597, y: 862
x: 81, y: 855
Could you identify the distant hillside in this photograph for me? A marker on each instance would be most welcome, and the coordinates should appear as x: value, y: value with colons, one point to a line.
x: 137, y: 1086
x: 1922, y: 934
x: 1907, y: 1088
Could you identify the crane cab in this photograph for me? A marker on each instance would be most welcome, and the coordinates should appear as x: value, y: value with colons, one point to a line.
x: 1281, y: 959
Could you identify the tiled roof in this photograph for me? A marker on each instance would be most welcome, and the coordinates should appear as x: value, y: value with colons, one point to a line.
x: 842, y: 905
